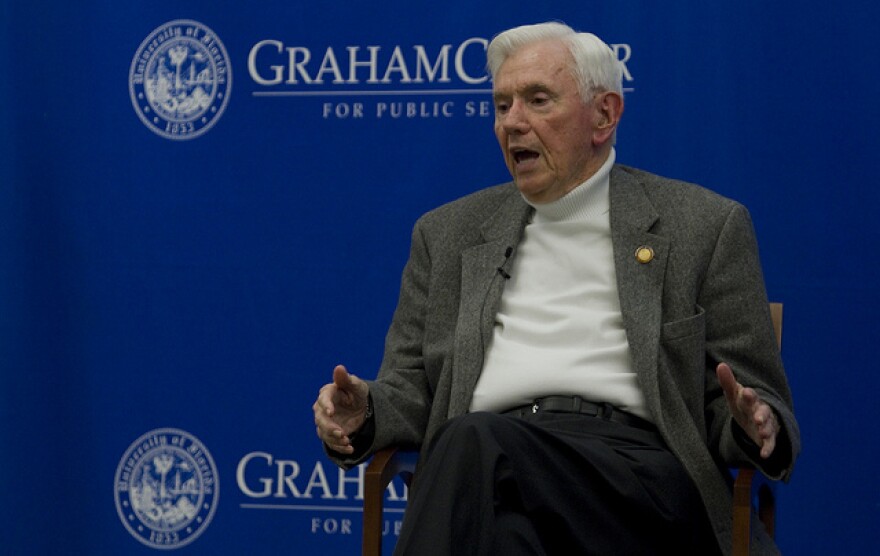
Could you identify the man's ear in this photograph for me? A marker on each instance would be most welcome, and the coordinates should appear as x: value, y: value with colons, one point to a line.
x: 609, y: 108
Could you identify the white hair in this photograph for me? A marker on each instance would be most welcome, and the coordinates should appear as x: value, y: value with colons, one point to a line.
x: 596, y: 68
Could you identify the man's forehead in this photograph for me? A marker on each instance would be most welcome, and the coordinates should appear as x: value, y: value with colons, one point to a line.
x: 547, y: 76
x: 535, y: 63
x: 525, y: 87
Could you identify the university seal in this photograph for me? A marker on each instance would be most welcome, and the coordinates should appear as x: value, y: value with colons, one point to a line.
x: 180, y: 80
x: 166, y: 488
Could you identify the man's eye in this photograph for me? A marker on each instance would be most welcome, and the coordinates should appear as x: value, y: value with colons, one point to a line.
x: 501, y: 108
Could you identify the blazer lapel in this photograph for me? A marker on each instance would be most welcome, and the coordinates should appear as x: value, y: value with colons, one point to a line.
x: 481, y: 287
x: 639, y: 279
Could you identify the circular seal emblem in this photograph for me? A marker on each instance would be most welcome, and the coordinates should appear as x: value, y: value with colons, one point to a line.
x: 180, y: 80
x: 166, y: 488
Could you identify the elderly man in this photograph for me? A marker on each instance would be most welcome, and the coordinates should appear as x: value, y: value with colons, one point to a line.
x: 580, y: 354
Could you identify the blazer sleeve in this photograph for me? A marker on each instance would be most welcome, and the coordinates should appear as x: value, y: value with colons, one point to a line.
x: 739, y: 331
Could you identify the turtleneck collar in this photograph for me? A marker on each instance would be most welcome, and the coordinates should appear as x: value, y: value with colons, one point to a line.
x: 586, y: 201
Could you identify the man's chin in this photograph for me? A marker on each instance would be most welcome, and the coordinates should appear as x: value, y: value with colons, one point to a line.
x: 536, y: 193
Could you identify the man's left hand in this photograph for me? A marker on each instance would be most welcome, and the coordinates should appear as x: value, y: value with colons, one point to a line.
x: 755, y: 417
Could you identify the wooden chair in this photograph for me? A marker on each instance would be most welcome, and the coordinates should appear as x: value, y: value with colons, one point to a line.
x: 749, y: 485
x: 386, y: 464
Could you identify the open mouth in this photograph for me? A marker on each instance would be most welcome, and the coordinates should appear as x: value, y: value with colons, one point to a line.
x: 523, y: 155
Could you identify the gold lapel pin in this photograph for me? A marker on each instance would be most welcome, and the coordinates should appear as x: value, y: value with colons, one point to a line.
x: 644, y: 254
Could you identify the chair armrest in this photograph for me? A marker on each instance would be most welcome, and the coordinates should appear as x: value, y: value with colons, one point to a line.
x: 748, y: 485
x: 385, y: 465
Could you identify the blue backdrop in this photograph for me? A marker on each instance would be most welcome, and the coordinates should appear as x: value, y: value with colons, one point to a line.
x: 177, y: 279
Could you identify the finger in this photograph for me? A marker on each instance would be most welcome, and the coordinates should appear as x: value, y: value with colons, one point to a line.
x: 325, y: 435
x: 325, y: 421
x: 751, y: 405
x: 728, y: 381
x: 749, y: 396
x: 772, y: 435
x: 337, y: 447
x: 325, y: 411
x: 768, y: 445
x: 761, y: 414
x: 342, y: 449
x: 767, y: 424
x: 329, y: 432
x: 324, y: 403
x: 338, y: 442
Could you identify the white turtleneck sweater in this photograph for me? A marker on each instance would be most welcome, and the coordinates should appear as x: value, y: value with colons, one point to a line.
x: 559, y: 330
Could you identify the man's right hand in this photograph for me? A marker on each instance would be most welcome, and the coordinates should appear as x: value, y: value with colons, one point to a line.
x: 341, y: 409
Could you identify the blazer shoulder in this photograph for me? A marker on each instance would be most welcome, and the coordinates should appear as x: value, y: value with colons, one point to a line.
x: 673, y: 195
x: 472, y: 209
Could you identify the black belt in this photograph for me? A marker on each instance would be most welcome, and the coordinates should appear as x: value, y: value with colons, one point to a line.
x: 576, y: 404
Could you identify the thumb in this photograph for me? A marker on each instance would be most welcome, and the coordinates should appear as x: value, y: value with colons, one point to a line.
x: 341, y: 378
x: 727, y: 380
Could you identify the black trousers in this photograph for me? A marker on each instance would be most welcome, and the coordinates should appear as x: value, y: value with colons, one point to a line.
x: 552, y: 483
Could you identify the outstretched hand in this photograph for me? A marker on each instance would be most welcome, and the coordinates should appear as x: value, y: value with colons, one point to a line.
x: 755, y: 416
x: 341, y: 409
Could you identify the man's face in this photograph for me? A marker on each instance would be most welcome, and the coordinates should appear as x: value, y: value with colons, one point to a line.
x: 545, y: 129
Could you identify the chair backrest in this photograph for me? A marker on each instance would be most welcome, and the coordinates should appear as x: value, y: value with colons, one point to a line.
x: 776, y: 316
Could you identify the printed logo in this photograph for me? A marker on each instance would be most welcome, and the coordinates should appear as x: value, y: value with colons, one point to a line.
x: 166, y: 488
x: 180, y: 80
x: 386, y: 82
x: 328, y: 496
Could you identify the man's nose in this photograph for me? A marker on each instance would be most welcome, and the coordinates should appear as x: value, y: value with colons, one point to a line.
x: 515, y: 121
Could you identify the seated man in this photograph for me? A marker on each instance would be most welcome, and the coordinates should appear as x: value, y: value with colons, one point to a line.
x: 579, y: 354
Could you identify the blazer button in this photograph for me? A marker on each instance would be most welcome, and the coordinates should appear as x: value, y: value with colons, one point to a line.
x: 644, y: 254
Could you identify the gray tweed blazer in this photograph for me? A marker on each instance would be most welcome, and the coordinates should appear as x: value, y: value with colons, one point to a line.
x: 699, y: 301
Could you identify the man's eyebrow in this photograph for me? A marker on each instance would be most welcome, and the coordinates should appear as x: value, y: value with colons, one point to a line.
x: 533, y: 88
